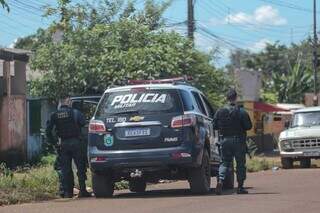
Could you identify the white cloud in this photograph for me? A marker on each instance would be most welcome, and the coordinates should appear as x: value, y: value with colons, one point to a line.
x: 260, y: 45
x: 13, y: 43
x: 265, y: 14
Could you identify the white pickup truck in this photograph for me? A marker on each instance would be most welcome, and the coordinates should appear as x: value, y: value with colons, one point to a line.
x: 301, y: 140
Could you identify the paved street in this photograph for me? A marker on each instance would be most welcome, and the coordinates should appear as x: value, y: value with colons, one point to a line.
x: 281, y: 191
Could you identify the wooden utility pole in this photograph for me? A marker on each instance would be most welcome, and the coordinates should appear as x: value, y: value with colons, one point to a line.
x: 191, y: 23
x: 315, y: 54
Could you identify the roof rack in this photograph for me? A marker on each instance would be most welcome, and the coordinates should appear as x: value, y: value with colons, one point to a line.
x: 176, y: 80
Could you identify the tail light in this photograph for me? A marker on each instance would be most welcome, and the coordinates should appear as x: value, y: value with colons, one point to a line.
x: 179, y: 155
x: 183, y: 120
x: 97, y: 126
x: 98, y: 159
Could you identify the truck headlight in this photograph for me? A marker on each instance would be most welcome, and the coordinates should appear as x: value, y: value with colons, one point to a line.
x: 286, y: 144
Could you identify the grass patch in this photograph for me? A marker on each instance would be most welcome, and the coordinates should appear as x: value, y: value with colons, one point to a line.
x: 36, y: 183
x: 26, y: 185
x: 257, y: 164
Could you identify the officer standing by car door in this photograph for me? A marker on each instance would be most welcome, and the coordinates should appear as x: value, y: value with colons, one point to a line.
x: 67, y: 123
x: 232, y: 122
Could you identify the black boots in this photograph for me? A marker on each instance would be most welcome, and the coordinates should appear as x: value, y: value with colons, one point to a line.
x: 83, y: 190
x: 219, y: 187
x: 242, y: 190
x: 84, y: 193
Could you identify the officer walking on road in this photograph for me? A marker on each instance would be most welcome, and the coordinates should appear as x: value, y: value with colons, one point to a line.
x: 232, y: 122
x: 67, y: 123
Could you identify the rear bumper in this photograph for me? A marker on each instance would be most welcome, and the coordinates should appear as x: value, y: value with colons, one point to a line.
x: 156, y: 158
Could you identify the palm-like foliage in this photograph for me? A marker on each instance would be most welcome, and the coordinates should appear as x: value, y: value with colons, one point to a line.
x: 292, y: 86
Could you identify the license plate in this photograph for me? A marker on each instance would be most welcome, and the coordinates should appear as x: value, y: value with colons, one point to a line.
x: 137, y: 132
x: 312, y: 153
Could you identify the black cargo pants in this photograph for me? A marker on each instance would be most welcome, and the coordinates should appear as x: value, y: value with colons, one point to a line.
x: 72, y: 149
x: 233, y: 147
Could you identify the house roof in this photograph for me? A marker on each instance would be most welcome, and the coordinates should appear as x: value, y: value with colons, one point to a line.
x: 309, y: 109
x: 290, y: 106
x: 264, y: 107
x: 10, y: 54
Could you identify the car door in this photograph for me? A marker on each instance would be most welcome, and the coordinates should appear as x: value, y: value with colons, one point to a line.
x: 213, y: 147
x: 206, y: 121
x: 87, y: 107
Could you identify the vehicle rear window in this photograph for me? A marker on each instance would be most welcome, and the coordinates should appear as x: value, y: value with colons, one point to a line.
x: 140, y: 101
x: 199, y: 102
x: 186, y: 100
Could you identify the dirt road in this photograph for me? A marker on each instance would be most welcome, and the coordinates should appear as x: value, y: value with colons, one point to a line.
x: 283, y: 191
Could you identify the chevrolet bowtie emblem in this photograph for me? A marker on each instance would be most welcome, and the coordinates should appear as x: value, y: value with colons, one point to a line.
x: 136, y: 118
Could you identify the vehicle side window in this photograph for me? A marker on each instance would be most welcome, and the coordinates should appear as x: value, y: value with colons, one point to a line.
x: 199, y: 102
x: 77, y: 105
x: 88, y: 110
x: 186, y: 100
x: 207, y: 104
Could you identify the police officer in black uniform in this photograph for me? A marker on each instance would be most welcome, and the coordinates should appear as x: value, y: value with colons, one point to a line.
x: 67, y: 123
x: 232, y: 122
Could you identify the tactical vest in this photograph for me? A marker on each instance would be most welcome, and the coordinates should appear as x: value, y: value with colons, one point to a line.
x: 65, y: 123
x: 229, y: 121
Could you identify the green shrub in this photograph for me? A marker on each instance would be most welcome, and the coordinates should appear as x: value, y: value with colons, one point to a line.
x: 257, y: 164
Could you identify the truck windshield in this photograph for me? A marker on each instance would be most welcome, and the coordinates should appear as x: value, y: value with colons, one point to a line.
x: 306, y: 119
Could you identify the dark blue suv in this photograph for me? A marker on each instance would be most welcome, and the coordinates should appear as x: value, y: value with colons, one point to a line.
x: 143, y: 133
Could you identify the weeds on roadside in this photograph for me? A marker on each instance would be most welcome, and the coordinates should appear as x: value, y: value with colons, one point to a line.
x: 36, y: 183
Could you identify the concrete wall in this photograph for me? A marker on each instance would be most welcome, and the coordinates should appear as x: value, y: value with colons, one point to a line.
x: 13, y: 129
x: 249, y: 84
x: 35, y: 140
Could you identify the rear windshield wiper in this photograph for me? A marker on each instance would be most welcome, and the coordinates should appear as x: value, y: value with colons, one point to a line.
x: 126, y: 112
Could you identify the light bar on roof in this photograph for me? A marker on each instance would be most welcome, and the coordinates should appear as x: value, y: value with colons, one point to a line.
x: 160, y: 81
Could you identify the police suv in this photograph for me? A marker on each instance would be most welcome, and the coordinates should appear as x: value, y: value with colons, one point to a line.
x: 152, y: 130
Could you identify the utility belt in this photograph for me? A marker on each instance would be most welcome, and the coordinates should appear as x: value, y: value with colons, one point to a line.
x: 236, y: 137
x: 70, y: 137
x: 231, y: 135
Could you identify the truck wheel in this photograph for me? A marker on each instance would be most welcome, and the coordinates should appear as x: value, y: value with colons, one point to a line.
x: 305, y: 163
x: 102, y: 185
x: 200, y: 178
x: 287, y: 163
x: 137, y: 185
x: 229, y: 181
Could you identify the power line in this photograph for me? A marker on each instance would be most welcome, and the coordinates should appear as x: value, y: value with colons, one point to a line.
x: 213, y: 35
x: 288, y: 5
x: 248, y: 27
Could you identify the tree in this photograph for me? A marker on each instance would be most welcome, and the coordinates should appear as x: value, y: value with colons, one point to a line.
x: 4, y: 5
x: 292, y: 86
x: 90, y: 60
x: 106, y: 44
x: 281, y: 66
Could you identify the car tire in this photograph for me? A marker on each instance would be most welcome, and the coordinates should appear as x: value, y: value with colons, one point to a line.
x: 102, y: 185
x: 305, y: 163
x: 200, y: 177
x: 287, y: 163
x: 229, y: 181
x: 137, y: 185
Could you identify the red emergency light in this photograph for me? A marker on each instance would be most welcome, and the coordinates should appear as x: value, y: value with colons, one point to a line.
x: 161, y: 81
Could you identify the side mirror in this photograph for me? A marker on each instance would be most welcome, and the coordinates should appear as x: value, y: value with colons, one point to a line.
x: 287, y: 124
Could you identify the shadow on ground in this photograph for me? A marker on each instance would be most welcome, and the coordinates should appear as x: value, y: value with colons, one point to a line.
x: 167, y: 193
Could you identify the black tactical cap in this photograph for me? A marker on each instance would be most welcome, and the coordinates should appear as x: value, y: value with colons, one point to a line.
x: 232, y: 94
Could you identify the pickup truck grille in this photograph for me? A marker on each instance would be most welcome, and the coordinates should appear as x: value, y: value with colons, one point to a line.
x: 306, y: 143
